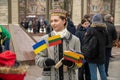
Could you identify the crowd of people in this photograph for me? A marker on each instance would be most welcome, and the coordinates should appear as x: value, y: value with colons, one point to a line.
x: 34, y: 25
x: 93, y: 37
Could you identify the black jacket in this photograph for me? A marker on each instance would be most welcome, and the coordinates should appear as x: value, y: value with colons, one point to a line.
x: 71, y: 27
x: 112, y: 33
x: 80, y: 32
x: 94, y: 43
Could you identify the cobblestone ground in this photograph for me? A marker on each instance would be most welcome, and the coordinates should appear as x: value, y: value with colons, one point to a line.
x: 33, y: 73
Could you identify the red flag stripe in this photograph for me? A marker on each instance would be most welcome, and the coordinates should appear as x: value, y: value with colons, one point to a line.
x: 72, y: 60
x: 69, y: 59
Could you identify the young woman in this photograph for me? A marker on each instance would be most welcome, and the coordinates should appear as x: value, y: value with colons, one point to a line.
x: 52, y: 55
x: 80, y: 33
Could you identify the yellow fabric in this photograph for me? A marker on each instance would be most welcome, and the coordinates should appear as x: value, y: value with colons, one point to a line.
x: 0, y: 29
x: 74, y: 55
x: 53, y: 37
x: 39, y: 49
x: 58, y: 12
x: 1, y: 41
x: 79, y: 64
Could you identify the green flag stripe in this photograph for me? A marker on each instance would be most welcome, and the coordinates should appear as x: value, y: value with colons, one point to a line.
x: 70, y: 57
x: 54, y: 40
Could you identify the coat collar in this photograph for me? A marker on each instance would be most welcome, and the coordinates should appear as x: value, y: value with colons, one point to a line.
x: 103, y: 25
x: 65, y: 34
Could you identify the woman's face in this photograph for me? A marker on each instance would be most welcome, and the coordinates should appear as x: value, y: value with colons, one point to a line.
x: 86, y: 24
x: 111, y: 19
x: 57, y: 23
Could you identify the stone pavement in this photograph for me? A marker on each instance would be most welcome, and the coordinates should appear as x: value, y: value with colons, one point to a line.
x: 114, y: 69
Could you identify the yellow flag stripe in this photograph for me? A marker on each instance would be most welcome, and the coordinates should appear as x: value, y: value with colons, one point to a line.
x: 73, y: 54
x: 53, y: 37
x: 79, y: 64
x: 39, y: 49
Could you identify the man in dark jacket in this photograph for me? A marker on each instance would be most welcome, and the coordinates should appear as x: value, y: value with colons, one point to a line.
x: 93, y: 47
x: 112, y: 35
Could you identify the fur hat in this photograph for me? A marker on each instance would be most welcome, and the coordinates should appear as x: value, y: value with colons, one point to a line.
x: 58, y: 12
x: 97, y: 18
x: 107, y: 17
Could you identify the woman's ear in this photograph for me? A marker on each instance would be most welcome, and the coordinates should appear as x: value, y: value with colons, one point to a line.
x: 64, y: 21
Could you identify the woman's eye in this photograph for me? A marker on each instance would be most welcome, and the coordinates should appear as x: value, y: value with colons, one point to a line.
x: 55, y: 20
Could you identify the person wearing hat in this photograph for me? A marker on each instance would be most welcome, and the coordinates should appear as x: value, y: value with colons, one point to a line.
x: 112, y: 36
x: 93, y: 47
x: 52, y: 55
x: 5, y: 38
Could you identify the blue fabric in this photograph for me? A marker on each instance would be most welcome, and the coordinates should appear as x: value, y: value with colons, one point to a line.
x: 97, y: 18
x: 7, y: 44
x: 71, y: 27
x: 93, y: 71
x: 39, y: 44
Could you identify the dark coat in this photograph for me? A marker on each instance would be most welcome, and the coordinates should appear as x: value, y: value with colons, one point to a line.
x: 94, y: 43
x: 71, y: 27
x: 112, y: 33
x: 80, y: 32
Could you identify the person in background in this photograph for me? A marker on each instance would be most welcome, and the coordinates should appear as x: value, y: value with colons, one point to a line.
x: 112, y: 35
x: 87, y: 16
x: 34, y: 26
x: 70, y: 25
x: 52, y: 55
x: 5, y: 38
x: 93, y: 47
x: 80, y: 33
x: 30, y: 24
x: 48, y: 29
x: 38, y: 26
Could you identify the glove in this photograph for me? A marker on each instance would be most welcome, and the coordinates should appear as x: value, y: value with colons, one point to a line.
x: 67, y: 63
x: 49, y: 62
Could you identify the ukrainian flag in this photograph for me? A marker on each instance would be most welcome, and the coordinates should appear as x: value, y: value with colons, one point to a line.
x: 39, y: 46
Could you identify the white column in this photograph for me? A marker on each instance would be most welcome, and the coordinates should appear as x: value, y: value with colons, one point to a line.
x: 117, y: 12
x: 76, y: 14
x: 85, y: 7
x: 14, y: 6
x: 3, y: 12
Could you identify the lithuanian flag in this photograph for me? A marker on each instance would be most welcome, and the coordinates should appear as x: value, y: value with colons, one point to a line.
x: 54, y: 40
x: 73, y: 56
x: 39, y: 46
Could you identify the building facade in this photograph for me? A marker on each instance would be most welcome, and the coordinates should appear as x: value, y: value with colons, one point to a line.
x: 14, y: 11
